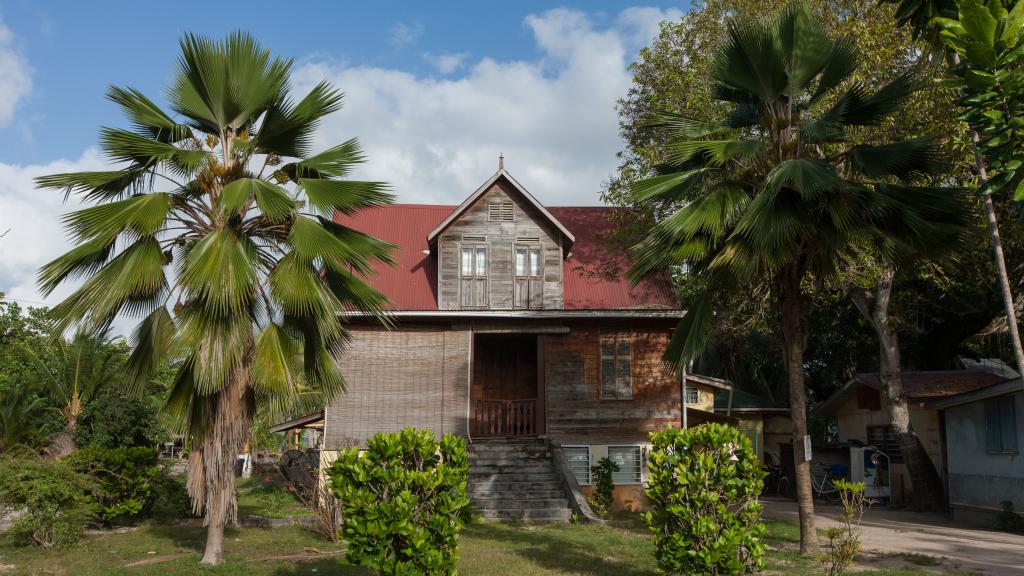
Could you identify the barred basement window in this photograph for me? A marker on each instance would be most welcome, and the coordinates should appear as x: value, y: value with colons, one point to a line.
x: 616, y: 368
x: 629, y: 459
x: 579, y: 462
x: 500, y: 212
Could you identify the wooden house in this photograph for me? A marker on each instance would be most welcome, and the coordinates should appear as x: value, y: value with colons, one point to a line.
x: 516, y: 328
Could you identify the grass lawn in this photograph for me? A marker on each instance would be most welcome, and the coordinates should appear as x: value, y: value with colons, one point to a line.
x: 620, y: 549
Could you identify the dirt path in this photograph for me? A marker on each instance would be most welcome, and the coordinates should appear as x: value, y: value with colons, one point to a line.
x: 887, y: 532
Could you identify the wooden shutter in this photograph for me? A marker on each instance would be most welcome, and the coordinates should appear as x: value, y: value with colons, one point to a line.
x: 993, y: 428
x: 1008, y: 424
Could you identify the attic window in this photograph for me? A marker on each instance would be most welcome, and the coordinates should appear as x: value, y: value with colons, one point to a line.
x: 500, y: 212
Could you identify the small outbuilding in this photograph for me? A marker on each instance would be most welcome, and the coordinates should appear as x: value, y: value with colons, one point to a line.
x: 983, y: 433
x: 861, y: 419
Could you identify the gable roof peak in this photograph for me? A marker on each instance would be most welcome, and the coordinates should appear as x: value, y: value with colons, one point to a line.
x: 501, y: 173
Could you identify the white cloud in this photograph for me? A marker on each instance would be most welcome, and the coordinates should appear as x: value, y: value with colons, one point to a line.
x: 33, y: 218
x: 16, y: 76
x: 436, y: 140
x: 642, y: 22
x: 446, y: 63
x: 403, y: 34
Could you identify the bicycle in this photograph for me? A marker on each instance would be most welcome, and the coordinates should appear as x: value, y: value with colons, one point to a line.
x: 822, y: 485
x: 777, y: 482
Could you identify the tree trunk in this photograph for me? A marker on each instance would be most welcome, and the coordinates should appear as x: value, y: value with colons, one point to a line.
x: 928, y: 490
x: 211, y: 471
x: 997, y: 247
x: 794, y: 333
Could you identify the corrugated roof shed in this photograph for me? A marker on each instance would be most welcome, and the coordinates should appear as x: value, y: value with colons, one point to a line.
x: 594, y: 272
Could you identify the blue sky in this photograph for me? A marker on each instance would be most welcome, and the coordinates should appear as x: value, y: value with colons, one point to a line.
x: 434, y: 91
x: 77, y: 49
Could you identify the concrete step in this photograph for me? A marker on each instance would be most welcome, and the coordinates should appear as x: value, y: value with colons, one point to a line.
x: 530, y: 514
x: 482, y: 477
x: 502, y: 503
x: 498, y: 484
x: 516, y: 454
x: 515, y: 462
x: 485, y: 495
x: 539, y: 467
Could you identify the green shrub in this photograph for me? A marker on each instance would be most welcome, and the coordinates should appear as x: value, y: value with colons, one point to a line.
x: 125, y: 480
x: 114, y: 419
x: 702, y: 488
x: 50, y: 499
x: 604, y: 487
x: 402, y: 502
x: 170, y: 497
x: 1007, y: 519
x: 844, y: 540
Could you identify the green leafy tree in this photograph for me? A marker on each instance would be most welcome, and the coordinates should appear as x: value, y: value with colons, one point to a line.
x: 782, y: 191
x: 75, y: 371
x: 216, y: 229
x: 981, y: 44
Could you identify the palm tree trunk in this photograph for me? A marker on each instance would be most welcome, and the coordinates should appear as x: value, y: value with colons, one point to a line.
x: 794, y: 333
x: 997, y: 246
x: 928, y: 490
x: 211, y: 471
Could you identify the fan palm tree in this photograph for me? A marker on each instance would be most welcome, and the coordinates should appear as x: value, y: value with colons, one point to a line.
x: 75, y: 371
x: 20, y: 412
x: 781, y: 192
x: 216, y: 230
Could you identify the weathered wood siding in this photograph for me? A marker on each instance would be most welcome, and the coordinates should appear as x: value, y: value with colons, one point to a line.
x: 576, y: 413
x: 500, y: 237
x: 413, y: 376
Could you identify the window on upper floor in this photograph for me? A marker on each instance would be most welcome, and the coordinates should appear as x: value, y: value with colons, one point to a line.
x: 616, y: 367
x: 474, y: 261
x: 527, y: 261
x: 692, y: 395
x: 1000, y: 425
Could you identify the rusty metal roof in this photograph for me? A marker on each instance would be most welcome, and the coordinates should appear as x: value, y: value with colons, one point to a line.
x: 594, y: 271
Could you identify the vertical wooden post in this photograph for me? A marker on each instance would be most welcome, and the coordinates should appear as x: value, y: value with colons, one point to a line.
x: 541, y: 412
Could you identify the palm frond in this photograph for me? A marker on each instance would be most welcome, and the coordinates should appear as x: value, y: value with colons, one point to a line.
x: 344, y: 196
x: 226, y: 85
x: 147, y: 117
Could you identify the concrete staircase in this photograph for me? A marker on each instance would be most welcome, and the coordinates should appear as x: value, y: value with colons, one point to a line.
x: 514, y: 479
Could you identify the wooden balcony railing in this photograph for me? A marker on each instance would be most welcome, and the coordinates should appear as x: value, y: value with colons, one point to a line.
x: 504, y: 418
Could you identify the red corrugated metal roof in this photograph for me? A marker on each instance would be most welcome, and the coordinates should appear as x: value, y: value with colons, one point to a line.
x: 594, y: 272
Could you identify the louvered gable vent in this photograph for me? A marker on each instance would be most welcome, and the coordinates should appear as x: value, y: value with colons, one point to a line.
x: 500, y: 212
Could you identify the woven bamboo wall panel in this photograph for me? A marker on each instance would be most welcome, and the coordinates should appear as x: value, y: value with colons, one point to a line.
x: 398, y: 379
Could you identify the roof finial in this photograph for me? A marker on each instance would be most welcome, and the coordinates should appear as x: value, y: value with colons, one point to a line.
x: 501, y: 161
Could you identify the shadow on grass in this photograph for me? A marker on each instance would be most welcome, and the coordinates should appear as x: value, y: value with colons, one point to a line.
x: 321, y: 567
x: 549, y: 549
x: 184, y: 536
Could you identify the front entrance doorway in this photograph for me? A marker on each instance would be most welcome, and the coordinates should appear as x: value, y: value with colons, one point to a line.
x: 506, y: 389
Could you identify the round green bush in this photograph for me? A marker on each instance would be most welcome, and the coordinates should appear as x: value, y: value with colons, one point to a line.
x: 702, y: 488
x: 402, y: 501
